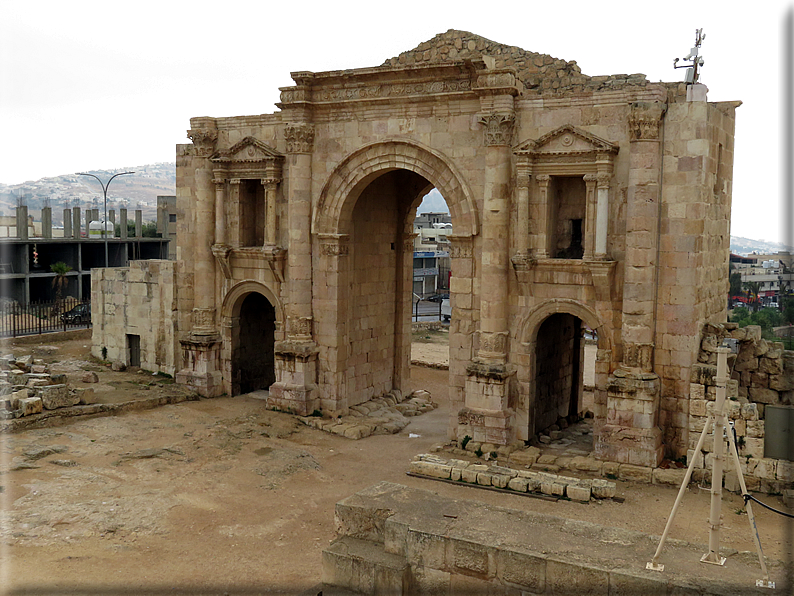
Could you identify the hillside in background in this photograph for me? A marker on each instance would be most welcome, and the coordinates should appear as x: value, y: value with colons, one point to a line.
x: 136, y: 191
x: 140, y: 191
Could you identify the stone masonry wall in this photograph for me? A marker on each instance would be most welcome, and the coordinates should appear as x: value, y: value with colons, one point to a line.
x: 762, y: 373
x: 137, y: 300
x: 694, y: 248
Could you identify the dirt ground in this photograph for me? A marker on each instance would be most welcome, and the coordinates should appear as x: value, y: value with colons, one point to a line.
x: 222, y: 496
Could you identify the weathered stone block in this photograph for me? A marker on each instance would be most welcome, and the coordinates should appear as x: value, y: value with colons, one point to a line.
x: 577, y: 493
x: 635, y: 473
x: 29, y: 406
x: 603, y: 489
x: 57, y: 396
x: 567, y: 578
x: 522, y: 569
x: 764, y: 396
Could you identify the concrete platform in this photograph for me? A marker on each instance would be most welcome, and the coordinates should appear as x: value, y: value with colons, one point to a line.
x: 398, y: 540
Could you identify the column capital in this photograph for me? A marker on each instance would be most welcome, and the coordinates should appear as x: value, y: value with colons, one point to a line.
x: 498, y: 128
x: 645, y: 120
x: 590, y: 178
x: 203, y: 141
x: 270, y: 182
x: 299, y: 137
x: 543, y: 179
x: 603, y: 180
x: 234, y: 180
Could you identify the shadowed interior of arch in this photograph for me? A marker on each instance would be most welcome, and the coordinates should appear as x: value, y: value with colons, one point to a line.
x: 253, y: 364
x: 379, y: 281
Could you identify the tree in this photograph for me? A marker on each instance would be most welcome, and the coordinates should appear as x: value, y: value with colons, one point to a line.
x: 736, y: 284
x: 60, y: 269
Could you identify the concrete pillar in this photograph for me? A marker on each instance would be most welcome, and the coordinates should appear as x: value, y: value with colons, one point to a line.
x: 138, y: 224
x: 22, y: 222
x: 76, y: 222
x: 67, y: 223
x: 112, y: 219
x: 123, y: 223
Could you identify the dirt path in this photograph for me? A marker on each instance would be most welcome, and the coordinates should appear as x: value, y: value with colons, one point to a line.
x: 222, y: 496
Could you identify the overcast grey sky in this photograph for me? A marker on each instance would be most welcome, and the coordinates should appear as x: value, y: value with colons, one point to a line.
x: 89, y: 85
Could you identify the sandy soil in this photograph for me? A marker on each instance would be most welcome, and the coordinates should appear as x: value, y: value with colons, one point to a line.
x: 221, y: 496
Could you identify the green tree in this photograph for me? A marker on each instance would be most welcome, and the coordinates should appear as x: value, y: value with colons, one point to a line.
x: 736, y: 284
x: 60, y: 269
x: 788, y: 309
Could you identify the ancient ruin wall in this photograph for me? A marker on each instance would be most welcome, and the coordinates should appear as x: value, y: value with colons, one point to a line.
x: 694, y: 249
x: 136, y: 300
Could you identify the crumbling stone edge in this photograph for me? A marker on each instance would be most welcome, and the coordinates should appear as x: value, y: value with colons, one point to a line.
x: 520, y: 481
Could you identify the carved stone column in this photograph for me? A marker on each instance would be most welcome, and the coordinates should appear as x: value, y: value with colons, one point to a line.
x: 220, y: 209
x: 590, y: 216
x: 233, y: 201
x: 487, y: 414
x: 271, y: 226
x: 545, y: 208
x: 201, y: 346
x: 522, y: 233
x: 602, y: 215
x: 295, y: 389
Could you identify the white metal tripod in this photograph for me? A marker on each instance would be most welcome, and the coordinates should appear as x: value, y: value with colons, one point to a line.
x: 719, y: 420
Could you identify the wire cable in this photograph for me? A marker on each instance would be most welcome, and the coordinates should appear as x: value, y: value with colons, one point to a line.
x: 752, y: 498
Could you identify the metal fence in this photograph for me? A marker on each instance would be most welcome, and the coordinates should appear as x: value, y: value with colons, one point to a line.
x: 43, y: 317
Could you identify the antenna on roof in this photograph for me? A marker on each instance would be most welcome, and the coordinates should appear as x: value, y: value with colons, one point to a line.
x: 695, y: 61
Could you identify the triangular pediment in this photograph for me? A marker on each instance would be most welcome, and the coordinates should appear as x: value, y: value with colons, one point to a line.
x: 247, y: 150
x: 566, y: 139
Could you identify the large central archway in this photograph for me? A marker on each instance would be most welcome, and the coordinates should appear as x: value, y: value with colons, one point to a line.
x: 363, y: 272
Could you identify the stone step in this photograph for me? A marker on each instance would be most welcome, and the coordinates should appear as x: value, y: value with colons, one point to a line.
x: 362, y: 567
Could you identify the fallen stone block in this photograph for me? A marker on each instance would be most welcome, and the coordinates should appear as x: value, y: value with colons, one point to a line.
x: 39, y: 368
x: 603, y: 489
x: 29, y: 406
x: 432, y: 469
x: 577, y: 493
x: 635, y: 473
x: 671, y: 476
x: 90, y: 377
x: 518, y: 484
x: 85, y: 395
x: 57, y: 396
x: 118, y: 366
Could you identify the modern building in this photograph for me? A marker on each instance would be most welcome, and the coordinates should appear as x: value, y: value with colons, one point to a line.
x: 25, y: 258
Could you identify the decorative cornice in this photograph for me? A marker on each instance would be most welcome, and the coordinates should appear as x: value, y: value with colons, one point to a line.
x: 498, y: 128
x: 569, y: 141
x: 247, y: 151
x: 299, y: 137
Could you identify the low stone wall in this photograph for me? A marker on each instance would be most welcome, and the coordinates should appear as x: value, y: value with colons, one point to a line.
x: 521, y: 481
x: 762, y: 374
x: 392, y: 539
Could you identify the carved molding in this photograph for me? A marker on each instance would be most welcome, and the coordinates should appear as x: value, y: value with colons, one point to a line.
x: 299, y: 137
x: 493, y: 343
x: 466, y: 416
x: 604, y: 180
x: 378, y: 91
x: 299, y: 327
x: 203, y: 321
x: 334, y: 245
x: 222, y: 253
x: 603, y: 276
x: 645, y: 120
x: 461, y: 247
x: 203, y: 141
x: 498, y: 128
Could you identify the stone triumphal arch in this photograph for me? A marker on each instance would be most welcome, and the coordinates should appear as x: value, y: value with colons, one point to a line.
x: 576, y: 201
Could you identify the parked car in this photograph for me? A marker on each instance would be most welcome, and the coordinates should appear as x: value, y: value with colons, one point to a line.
x: 79, y: 314
x: 446, y: 310
x: 438, y: 297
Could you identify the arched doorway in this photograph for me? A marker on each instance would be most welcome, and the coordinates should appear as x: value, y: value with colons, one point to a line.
x: 253, y: 340
x: 558, y: 379
x: 363, y: 272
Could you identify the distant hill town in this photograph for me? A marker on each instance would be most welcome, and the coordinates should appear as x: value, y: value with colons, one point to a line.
x: 140, y: 191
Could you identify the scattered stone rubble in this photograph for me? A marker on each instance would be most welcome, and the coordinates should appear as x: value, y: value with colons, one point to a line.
x: 385, y: 415
x: 523, y: 481
x: 27, y: 387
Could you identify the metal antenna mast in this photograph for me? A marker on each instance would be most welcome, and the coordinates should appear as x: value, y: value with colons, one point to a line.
x: 694, y: 59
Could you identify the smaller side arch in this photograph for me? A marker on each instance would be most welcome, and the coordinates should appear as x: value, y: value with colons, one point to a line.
x: 528, y: 327
x: 231, y: 302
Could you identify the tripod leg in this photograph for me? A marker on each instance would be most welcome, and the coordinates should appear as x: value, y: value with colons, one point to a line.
x: 766, y: 583
x: 652, y: 564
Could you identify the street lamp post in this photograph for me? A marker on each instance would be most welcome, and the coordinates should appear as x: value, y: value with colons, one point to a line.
x: 105, y: 222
